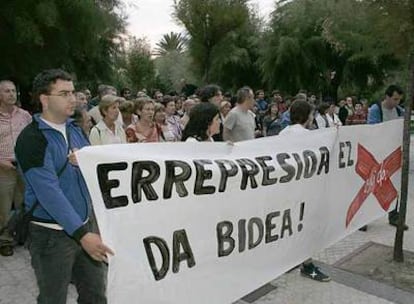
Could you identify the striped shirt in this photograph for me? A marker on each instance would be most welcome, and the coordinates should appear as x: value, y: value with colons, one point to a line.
x: 11, y: 124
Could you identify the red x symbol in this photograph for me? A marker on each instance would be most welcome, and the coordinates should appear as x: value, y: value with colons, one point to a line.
x: 377, y: 180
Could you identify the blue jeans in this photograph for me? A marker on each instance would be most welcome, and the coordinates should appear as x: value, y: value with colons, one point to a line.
x: 57, y: 260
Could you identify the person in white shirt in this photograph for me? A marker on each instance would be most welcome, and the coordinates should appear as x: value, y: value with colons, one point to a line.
x: 301, y: 116
x: 108, y: 130
x: 326, y: 117
x: 333, y: 119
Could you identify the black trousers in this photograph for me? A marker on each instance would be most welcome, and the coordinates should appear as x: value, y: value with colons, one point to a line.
x: 57, y: 260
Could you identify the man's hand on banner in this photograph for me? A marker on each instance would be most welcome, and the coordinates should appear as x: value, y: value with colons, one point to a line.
x: 93, y: 245
x: 72, y: 157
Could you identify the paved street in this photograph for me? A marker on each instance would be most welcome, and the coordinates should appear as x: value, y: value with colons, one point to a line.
x: 17, y: 282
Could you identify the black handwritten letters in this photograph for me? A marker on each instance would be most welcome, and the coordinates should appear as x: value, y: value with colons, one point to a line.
x: 181, y: 251
x: 252, y: 232
x: 151, y: 181
x: 211, y: 176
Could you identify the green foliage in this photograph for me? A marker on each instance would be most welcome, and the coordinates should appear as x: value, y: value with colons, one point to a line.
x: 172, y: 42
x: 76, y: 35
x: 172, y: 68
x: 222, y: 40
x: 140, y: 67
x: 323, y: 46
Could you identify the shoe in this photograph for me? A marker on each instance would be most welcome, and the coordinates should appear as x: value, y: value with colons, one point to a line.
x: 6, y: 250
x: 312, y: 272
x: 363, y: 228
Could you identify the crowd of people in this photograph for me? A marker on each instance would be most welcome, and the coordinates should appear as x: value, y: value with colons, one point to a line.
x: 162, y: 118
x: 38, y: 164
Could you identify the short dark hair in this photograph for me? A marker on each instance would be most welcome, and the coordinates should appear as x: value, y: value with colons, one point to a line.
x: 166, y: 99
x: 78, y: 115
x: 243, y: 94
x: 209, y: 91
x: 300, y: 96
x: 43, y: 80
x: 201, y: 116
x: 228, y: 95
x: 124, y: 90
x: 323, y: 107
x: 300, y: 111
x: 393, y: 88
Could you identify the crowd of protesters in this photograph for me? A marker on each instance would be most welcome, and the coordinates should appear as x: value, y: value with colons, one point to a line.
x: 43, y: 147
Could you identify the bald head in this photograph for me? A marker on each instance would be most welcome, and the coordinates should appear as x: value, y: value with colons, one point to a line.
x: 8, y: 94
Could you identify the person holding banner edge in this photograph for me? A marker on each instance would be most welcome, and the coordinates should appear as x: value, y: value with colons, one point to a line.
x: 62, y: 234
x: 204, y: 123
x: 301, y: 117
x: 386, y: 110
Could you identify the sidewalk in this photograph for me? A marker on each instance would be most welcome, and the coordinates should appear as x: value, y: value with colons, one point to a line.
x: 18, y: 284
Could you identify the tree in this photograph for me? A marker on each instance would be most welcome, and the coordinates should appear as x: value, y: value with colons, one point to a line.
x: 352, y: 28
x: 78, y: 36
x: 216, y: 41
x: 139, y: 64
x: 172, y: 68
x: 234, y: 58
x: 172, y: 42
x: 302, y: 49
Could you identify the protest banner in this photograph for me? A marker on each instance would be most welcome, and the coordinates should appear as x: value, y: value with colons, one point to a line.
x: 209, y: 222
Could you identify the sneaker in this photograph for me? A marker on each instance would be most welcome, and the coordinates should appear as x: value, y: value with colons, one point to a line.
x: 6, y: 249
x: 363, y: 228
x: 312, y: 272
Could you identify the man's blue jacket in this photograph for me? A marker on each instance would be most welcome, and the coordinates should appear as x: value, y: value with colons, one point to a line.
x: 63, y: 198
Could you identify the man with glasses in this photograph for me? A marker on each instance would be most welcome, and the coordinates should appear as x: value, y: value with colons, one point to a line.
x: 12, y: 122
x: 64, y: 243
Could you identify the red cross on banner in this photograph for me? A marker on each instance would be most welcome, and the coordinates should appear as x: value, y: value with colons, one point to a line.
x: 377, y: 179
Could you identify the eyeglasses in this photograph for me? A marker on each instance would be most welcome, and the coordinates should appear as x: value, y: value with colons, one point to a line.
x: 64, y: 94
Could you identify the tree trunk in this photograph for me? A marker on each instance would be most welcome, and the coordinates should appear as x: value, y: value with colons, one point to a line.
x: 399, y: 235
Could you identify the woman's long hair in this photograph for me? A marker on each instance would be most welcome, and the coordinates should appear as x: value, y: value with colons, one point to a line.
x: 201, y: 117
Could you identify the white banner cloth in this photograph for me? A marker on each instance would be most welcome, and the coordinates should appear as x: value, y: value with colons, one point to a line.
x: 229, y: 219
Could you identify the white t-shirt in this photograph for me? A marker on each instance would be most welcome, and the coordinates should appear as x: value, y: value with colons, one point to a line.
x: 59, y: 127
x: 102, y: 135
x: 388, y: 114
x: 294, y: 129
x: 192, y: 139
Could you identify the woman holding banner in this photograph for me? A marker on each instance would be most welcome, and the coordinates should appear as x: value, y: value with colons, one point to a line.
x: 204, y: 123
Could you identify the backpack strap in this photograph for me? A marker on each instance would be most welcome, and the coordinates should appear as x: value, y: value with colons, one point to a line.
x: 399, y: 112
x: 380, y: 110
x: 99, y: 131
